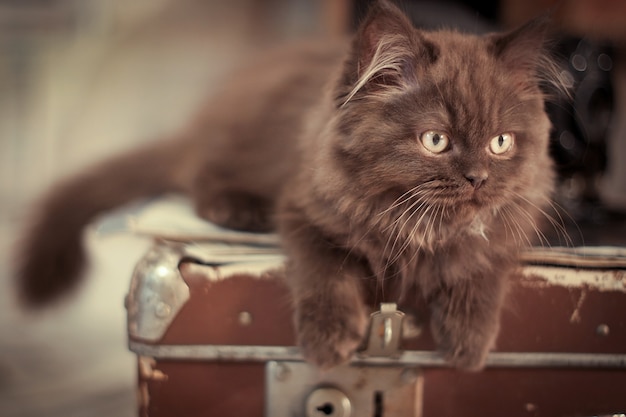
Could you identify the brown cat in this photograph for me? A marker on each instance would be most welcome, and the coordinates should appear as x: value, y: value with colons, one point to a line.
x: 410, y: 161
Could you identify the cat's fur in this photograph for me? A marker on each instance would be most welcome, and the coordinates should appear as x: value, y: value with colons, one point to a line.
x: 323, y: 143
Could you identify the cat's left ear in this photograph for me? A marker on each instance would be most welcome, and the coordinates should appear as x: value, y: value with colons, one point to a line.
x: 526, y: 53
x: 385, y: 53
x: 525, y: 48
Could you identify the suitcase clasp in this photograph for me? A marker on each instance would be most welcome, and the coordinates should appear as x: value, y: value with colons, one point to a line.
x: 385, y: 332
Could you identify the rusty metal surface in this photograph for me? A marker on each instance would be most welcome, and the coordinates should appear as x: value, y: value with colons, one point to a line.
x: 421, y: 358
x: 354, y: 390
x: 157, y: 292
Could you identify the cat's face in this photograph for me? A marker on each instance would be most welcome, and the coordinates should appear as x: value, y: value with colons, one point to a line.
x: 456, y: 123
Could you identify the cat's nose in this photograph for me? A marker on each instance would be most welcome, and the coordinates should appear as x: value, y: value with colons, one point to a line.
x: 476, y: 179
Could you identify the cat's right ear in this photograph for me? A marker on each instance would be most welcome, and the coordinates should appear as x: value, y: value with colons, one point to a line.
x: 384, y: 55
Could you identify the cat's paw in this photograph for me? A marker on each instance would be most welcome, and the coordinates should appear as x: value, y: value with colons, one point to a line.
x: 465, y: 351
x: 329, y: 338
x: 239, y: 211
x: 467, y: 358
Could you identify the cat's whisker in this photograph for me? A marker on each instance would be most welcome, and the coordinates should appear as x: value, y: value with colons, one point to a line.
x: 443, y: 211
x: 510, y: 223
x: 407, y: 237
x: 417, y: 251
x: 409, y: 210
x: 502, y: 214
x: 516, y: 227
x: 430, y: 226
x: 558, y: 209
x: 542, y: 239
x: 399, y: 202
x: 399, y: 225
x: 398, y: 232
x: 427, y: 229
x: 559, y: 226
x: 414, y: 192
x: 405, y: 197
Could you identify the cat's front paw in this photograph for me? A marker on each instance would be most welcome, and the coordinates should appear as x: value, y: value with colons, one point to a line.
x: 465, y: 351
x: 468, y: 358
x: 329, y: 338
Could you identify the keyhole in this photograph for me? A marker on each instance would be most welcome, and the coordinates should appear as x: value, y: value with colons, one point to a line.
x: 379, y: 404
x: 328, y: 402
x: 326, y: 409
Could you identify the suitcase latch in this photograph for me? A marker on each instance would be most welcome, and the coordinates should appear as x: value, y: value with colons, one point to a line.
x: 359, y: 389
x: 385, y: 332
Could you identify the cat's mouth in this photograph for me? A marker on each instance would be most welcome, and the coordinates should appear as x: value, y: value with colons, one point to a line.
x: 445, y: 197
x: 477, y: 197
x: 464, y: 196
x: 471, y: 203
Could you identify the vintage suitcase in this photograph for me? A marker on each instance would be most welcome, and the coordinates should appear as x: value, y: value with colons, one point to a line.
x: 211, y: 326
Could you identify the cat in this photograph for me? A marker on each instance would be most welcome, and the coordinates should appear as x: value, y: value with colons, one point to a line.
x: 405, y: 161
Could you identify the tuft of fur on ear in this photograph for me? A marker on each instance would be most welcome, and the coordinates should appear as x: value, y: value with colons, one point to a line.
x: 526, y: 51
x: 385, y: 54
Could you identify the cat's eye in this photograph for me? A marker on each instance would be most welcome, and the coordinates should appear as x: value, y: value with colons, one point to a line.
x: 502, y: 143
x: 435, y: 142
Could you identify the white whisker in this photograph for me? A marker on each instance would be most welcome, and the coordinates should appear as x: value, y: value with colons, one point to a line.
x: 406, y: 196
x: 521, y: 233
x: 559, y: 227
x: 530, y: 220
x: 407, y: 237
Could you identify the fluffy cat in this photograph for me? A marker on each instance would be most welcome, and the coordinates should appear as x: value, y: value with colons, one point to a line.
x: 407, y: 161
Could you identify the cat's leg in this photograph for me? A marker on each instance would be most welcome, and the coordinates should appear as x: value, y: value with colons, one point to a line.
x: 236, y: 210
x: 229, y: 207
x: 465, y: 318
x: 325, y: 282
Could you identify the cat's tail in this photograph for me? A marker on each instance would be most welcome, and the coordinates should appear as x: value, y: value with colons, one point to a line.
x: 50, y: 257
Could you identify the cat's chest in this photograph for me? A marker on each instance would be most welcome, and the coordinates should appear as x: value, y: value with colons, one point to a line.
x: 426, y: 232
x: 402, y: 243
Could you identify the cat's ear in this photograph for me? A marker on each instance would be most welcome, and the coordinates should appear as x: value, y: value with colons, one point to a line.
x: 524, y: 47
x: 526, y: 53
x: 385, y: 53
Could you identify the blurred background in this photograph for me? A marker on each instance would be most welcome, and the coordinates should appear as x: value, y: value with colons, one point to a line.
x: 82, y: 79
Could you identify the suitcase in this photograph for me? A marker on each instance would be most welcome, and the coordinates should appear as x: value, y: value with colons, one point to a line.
x: 211, y: 325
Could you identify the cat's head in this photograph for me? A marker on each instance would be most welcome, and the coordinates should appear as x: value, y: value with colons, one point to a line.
x: 457, y: 118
